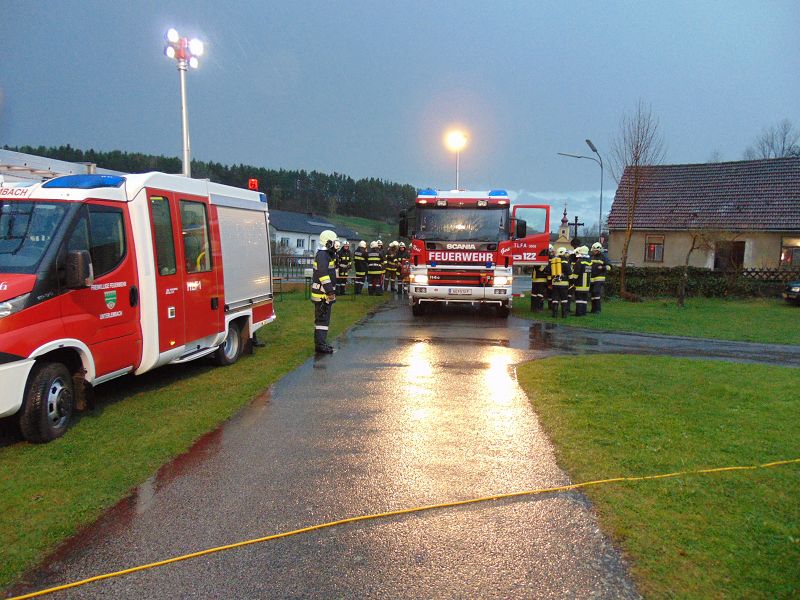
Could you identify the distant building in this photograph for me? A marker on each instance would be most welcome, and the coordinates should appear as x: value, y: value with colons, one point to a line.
x: 739, y: 214
x: 298, y: 233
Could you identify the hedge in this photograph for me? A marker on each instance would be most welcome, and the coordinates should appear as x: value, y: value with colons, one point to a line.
x: 664, y: 281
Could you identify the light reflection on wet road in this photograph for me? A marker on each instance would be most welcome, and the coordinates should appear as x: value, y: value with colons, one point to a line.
x: 407, y: 412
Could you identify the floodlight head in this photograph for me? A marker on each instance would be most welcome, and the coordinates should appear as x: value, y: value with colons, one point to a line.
x: 193, y: 62
x: 196, y: 47
x: 591, y: 145
x: 172, y: 35
x: 170, y: 51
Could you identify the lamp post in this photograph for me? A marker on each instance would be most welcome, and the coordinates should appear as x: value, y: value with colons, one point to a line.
x: 455, y: 141
x: 186, y: 53
x: 599, y: 161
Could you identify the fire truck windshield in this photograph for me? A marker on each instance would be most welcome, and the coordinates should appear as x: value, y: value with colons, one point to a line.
x: 26, y: 229
x: 462, y: 224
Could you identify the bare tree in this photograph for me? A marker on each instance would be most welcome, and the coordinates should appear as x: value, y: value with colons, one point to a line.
x: 715, y: 156
x: 778, y: 141
x: 638, y: 144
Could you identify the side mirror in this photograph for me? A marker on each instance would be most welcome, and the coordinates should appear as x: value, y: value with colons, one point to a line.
x: 521, y: 229
x: 403, y: 224
x: 79, y: 269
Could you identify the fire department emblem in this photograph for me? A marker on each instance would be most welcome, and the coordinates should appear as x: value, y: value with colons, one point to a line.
x: 111, y: 299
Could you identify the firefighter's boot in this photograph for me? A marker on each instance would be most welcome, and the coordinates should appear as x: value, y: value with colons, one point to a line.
x: 564, y: 309
x: 320, y: 343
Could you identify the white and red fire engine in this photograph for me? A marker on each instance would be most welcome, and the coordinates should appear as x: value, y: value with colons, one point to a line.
x: 464, y: 245
x: 104, y: 275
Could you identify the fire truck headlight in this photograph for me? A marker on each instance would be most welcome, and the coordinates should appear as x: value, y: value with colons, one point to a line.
x: 502, y: 280
x: 420, y: 279
x: 9, y: 307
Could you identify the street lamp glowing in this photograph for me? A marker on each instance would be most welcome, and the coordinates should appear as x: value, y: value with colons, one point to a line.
x: 186, y: 53
x: 455, y: 141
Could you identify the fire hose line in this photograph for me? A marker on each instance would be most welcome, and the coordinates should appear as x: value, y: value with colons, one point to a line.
x: 394, y: 513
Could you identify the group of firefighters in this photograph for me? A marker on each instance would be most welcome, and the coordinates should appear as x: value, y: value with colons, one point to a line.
x: 578, y: 275
x: 379, y: 269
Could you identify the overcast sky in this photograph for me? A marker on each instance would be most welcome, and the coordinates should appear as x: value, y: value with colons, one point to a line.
x: 368, y: 88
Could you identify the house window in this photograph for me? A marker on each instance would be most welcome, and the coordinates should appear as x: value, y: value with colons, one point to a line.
x: 301, y: 243
x: 728, y: 255
x: 654, y: 248
x: 790, y: 252
x: 285, y: 242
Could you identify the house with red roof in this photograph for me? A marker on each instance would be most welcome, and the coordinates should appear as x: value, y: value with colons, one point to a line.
x: 734, y: 214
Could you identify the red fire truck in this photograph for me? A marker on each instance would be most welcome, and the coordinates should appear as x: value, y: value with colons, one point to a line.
x: 464, y: 245
x: 104, y: 275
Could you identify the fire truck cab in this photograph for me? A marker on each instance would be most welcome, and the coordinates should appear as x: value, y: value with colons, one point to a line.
x: 106, y: 275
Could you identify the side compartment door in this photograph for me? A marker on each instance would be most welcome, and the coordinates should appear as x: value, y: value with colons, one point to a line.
x: 201, y: 261
x: 106, y: 314
x: 169, y: 278
x: 531, y: 249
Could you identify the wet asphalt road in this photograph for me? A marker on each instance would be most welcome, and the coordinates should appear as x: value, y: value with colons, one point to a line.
x: 407, y: 412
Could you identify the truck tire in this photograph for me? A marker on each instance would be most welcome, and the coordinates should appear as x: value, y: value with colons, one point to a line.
x: 417, y: 309
x: 503, y: 311
x: 231, y: 349
x: 48, y: 403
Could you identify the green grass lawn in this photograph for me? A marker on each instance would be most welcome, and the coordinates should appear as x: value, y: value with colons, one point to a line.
x: 49, y: 491
x: 368, y: 229
x: 768, y: 321
x: 734, y: 534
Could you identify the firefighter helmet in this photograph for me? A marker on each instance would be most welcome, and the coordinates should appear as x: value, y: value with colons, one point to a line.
x: 583, y: 250
x: 597, y: 246
x: 373, y: 244
x: 362, y: 244
x: 327, y: 238
x: 337, y: 245
x: 380, y: 243
x: 393, y: 243
x: 561, y: 251
x: 402, y: 244
x: 345, y: 243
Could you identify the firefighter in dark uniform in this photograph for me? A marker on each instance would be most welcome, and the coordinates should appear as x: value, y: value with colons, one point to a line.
x: 375, y: 270
x: 582, y: 273
x: 343, y: 263
x: 539, y: 283
x: 360, y: 265
x: 323, y: 293
x: 600, y: 266
x: 402, y: 268
x: 573, y: 258
x: 392, y: 265
x: 383, y: 261
x: 559, y: 271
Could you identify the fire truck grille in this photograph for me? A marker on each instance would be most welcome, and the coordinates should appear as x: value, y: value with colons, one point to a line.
x: 455, y: 277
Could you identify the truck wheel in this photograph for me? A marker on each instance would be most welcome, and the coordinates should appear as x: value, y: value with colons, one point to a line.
x: 417, y: 309
x: 503, y: 311
x: 230, y: 351
x: 48, y: 403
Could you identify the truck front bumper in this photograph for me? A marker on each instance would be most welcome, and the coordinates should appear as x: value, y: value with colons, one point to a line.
x: 459, y: 294
x: 13, y: 376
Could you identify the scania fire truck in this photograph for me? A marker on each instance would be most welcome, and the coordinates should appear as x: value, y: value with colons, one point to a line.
x: 104, y: 275
x: 464, y: 245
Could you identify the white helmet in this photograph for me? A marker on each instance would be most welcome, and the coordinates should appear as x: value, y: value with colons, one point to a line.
x: 402, y: 244
x: 373, y: 244
x: 379, y: 242
x: 561, y: 251
x: 583, y: 250
x: 394, y: 243
x: 337, y: 245
x: 327, y: 238
x: 597, y: 246
x: 362, y: 244
x: 345, y: 243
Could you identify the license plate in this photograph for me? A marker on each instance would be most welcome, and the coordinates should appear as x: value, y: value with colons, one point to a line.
x: 421, y: 290
x: 459, y: 292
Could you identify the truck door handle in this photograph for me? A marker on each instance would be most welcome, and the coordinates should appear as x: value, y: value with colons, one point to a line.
x: 214, y: 303
x: 134, y: 296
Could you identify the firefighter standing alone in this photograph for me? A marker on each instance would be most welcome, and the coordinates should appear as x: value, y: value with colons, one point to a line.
x: 323, y: 293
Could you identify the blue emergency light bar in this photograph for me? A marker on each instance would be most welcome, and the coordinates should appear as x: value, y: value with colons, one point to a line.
x: 84, y: 182
x: 498, y: 193
x: 428, y: 192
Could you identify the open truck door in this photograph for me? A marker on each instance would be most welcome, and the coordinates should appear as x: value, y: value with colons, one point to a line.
x: 532, y: 248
